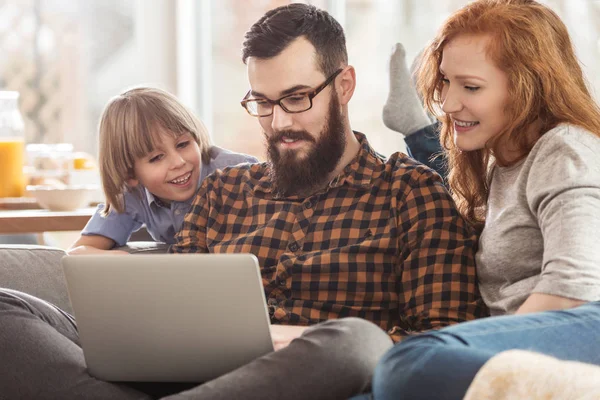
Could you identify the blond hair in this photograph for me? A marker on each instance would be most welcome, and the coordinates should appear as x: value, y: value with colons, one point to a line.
x: 128, y: 130
x: 531, y: 44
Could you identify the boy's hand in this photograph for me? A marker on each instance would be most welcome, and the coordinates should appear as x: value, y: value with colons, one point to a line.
x: 85, y: 250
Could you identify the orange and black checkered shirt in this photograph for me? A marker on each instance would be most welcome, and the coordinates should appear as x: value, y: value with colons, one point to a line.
x: 383, y: 242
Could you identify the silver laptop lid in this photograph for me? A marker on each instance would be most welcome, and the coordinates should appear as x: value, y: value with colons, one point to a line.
x: 168, y: 317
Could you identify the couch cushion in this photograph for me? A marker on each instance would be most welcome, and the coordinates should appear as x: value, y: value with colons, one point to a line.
x: 35, y: 270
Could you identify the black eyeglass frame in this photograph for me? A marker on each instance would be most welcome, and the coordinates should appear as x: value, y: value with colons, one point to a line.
x: 277, y: 102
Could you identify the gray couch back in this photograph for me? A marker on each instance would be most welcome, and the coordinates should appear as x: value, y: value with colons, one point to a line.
x: 35, y: 270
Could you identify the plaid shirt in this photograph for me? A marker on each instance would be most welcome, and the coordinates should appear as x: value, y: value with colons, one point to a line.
x: 383, y: 241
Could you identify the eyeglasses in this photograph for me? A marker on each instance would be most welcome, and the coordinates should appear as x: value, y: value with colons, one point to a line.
x: 292, y: 103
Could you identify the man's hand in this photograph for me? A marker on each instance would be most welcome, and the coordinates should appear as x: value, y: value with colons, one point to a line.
x: 282, y: 335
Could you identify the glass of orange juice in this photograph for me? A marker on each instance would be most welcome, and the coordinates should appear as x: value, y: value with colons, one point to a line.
x: 12, y: 146
x: 12, y: 180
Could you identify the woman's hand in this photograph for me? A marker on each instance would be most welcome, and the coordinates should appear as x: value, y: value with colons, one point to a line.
x: 538, y: 302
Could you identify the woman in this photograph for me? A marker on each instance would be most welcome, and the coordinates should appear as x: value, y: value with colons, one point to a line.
x: 522, y: 135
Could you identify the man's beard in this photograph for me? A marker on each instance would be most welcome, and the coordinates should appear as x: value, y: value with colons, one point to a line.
x: 292, y: 175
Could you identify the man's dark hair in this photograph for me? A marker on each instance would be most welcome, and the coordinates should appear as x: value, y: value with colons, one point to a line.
x: 271, y: 34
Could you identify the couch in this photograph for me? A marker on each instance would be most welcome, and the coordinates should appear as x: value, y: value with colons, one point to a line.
x: 36, y: 270
x: 515, y: 374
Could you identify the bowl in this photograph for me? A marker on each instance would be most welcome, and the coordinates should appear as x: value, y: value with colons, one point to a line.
x: 62, y: 198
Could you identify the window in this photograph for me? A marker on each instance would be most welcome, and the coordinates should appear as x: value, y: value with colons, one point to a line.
x: 68, y: 58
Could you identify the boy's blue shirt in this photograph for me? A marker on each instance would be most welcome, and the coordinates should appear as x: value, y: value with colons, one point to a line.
x: 142, y: 208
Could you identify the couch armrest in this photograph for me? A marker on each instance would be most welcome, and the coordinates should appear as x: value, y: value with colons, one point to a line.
x: 35, y: 270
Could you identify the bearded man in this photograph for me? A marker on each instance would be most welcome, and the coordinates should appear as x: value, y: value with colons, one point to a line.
x: 355, y: 251
x: 338, y: 230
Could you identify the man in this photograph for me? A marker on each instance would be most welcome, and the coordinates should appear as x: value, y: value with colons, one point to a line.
x: 338, y: 231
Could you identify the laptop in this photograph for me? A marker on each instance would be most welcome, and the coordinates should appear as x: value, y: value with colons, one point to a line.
x: 168, y: 317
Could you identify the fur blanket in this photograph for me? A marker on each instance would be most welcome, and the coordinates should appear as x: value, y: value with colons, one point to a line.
x: 518, y: 374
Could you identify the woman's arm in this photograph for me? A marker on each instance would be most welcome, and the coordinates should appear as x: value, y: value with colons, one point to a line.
x: 563, y: 193
x: 538, y: 302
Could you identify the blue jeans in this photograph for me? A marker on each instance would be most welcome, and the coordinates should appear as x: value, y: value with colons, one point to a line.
x: 442, y: 364
x: 424, y: 146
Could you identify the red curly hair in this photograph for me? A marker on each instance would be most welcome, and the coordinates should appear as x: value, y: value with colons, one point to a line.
x: 546, y: 86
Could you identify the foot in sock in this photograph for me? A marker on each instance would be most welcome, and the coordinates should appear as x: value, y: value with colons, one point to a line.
x: 403, y: 111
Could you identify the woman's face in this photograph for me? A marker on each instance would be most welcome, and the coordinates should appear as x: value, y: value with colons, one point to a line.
x: 474, y: 93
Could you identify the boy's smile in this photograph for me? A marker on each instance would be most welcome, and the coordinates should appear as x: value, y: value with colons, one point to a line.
x: 182, y: 180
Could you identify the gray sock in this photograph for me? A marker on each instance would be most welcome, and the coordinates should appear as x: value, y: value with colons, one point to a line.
x: 403, y: 111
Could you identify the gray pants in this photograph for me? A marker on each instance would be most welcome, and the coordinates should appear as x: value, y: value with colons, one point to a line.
x: 40, y: 358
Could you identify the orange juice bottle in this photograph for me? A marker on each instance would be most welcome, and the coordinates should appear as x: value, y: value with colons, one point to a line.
x: 12, y: 146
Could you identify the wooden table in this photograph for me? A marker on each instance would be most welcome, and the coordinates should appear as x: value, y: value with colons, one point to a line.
x: 38, y: 221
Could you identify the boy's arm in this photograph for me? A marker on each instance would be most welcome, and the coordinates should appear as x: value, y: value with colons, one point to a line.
x: 94, y: 244
x: 102, y: 233
x: 438, y: 279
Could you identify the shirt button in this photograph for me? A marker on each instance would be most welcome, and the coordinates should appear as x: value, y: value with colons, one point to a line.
x: 282, y: 282
x: 293, y: 247
x: 307, y: 205
x: 177, y: 212
x: 271, y: 306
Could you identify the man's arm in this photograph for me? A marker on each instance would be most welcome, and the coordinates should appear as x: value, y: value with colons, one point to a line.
x: 438, y: 278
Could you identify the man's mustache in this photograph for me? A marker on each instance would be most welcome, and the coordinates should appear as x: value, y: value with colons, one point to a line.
x: 294, y: 135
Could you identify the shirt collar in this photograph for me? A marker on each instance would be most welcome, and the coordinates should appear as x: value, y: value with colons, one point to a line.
x: 152, y: 199
x: 358, y: 174
x: 204, y: 170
